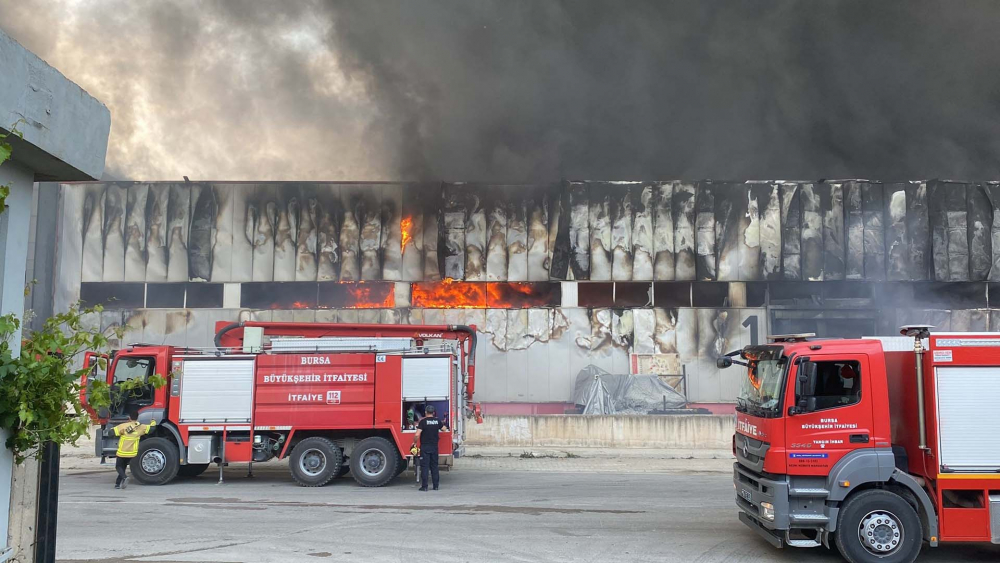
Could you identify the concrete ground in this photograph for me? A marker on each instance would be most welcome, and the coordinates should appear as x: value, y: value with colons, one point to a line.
x: 596, y: 506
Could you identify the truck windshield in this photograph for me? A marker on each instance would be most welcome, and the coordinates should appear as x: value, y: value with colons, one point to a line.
x: 760, y: 391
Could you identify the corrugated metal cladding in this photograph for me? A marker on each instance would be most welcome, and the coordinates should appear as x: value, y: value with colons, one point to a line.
x: 654, y: 277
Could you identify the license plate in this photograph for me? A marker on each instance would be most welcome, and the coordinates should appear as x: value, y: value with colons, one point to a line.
x: 745, y: 494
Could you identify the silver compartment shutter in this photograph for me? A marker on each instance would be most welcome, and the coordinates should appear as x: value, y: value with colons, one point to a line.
x: 217, y: 391
x: 969, y: 417
x: 426, y: 378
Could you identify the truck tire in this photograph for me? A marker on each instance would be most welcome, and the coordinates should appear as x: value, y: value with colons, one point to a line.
x: 192, y: 470
x: 315, y: 461
x: 403, y: 464
x: 878, y: 526
x: 374, y: 462
x: 343, y: 470
x: 157, y: 462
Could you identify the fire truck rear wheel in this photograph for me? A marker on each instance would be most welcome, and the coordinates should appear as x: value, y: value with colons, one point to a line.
x: 343, y: 470
x: 157, y: 462
x: 374, y: 462
x: 315, y: 461
x: 879, y: 526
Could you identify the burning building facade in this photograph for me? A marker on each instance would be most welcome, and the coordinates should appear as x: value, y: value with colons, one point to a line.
x: 641, y: 277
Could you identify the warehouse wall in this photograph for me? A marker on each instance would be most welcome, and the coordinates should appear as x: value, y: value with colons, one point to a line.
x: 654, y: 277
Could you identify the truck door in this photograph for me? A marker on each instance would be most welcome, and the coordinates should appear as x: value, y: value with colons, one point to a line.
x: 95, y: 369
x: 831, y: 417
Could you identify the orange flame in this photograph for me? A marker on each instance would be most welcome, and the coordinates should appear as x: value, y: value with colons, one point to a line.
x: 451, y: 294
x: 369, y: 296
x: 406, y: 225
x: 448, y: 294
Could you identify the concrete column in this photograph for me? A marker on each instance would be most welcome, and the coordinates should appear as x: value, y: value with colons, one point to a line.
x: 17, y: 503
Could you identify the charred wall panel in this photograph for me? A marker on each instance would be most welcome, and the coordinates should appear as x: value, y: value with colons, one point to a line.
x: 579, y: 230
x: 663, y: 231
x: 918, y: 231
x: 642, y: 232
x: 115, y: 199
x: 730, y: 212
x: 370, y: 242
x: 705, y: 266
x: 262, y: 220
x: 538, y: 236
x: 391, y: 238
x: 307, y: 235
x: 223, y: 241
x: 874, y: 233
x: 135, y: 233
x: 178, y: 229
x: 980, y: 226
x: 897, y: 251
x: 475, y: 235
x: 791, y: 232
x: 560, y: 245
x: 201, y: 236
x: 834, y: 243
x: 353, y: 206
x: 812, y: 232
x: 600, y: 232
x: 855, y: 260
x: 622, y: 216
x: 244, y: 233
x: 329, y: 218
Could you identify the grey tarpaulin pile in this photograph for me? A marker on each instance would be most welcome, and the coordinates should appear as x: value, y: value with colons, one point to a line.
x: 601, y: 392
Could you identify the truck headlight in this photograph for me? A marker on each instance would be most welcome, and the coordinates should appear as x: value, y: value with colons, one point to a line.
x: 767, y: 511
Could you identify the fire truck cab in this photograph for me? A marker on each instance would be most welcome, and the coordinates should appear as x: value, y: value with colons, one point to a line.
x: 330, y: 398
x: 873, y: 445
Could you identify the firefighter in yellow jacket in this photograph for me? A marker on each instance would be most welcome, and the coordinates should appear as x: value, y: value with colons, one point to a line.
x: 128, y: 444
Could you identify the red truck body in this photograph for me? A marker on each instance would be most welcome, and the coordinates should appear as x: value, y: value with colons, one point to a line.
x: 814, y: 456
x: 333, y: 398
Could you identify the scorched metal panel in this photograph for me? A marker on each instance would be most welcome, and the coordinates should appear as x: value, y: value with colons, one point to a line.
x: 969, y: 417
x: 216, y: 391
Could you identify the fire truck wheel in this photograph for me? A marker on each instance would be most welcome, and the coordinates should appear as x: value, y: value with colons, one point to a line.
x: 879, y: 526
x: 403, y: 464
x: 314, y: 462
x: 192, y: 469
x: 374, y: 462
x: 344, y: 470
x: 157, y: 462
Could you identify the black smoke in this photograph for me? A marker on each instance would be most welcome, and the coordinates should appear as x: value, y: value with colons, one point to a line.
x: 532, y: 91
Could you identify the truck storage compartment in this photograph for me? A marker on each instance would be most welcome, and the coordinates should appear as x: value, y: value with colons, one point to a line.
x: 216, y: 390
x: 427, y: 378
x: 969, y: 418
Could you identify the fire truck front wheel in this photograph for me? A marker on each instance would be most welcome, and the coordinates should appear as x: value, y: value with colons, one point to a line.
x: 315, y: 461
x: 879, y: 526
x: 157, y: 462
x: 374, y: 462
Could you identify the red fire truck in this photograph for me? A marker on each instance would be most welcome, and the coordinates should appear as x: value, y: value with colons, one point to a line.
x: 332, y: 398
x: 873, y: 445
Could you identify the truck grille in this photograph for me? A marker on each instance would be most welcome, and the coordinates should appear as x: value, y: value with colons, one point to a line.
x: 750, y: 452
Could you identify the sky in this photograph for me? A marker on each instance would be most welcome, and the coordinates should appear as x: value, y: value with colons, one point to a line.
x: 532, y: 91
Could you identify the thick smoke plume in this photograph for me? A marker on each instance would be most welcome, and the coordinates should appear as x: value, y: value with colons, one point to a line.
x: 518, y: 91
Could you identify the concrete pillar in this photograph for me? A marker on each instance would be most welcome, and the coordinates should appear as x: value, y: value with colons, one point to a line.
x: 13, y: 256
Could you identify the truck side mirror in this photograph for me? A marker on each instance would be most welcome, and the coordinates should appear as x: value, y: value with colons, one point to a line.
x: 806, y: 388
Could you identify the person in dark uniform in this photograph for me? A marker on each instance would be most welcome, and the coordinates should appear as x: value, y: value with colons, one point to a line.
x: 427, y: 437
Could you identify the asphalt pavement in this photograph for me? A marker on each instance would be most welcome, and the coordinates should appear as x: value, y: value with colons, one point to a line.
x: 526, y: 509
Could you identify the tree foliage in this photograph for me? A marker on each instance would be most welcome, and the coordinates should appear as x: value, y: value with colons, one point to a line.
x: 5, y: 152
x: 40, y: 386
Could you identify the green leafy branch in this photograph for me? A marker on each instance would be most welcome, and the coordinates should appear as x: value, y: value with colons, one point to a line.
x: 40, y: 385
x: 5, y: 153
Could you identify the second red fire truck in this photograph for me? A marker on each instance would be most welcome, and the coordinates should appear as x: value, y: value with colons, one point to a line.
x: 331, y: 398
x: 875, y: 446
